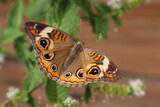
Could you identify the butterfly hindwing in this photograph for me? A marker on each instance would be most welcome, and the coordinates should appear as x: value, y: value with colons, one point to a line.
x: 73, y: 75
x: 99, y: 68
x: 51, y: 63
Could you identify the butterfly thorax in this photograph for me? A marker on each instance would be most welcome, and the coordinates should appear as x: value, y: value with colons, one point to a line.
x: 75, y: 52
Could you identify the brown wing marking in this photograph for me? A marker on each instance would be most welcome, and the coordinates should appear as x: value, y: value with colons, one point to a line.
x: 112, y: 74
x: 73, y: 76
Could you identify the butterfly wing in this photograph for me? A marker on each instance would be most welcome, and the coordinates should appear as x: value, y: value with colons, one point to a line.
x: 73, y: 75
x: 52, y: 46
x: 98, y: 68
x: 89, y: 66
x: 61, y: 59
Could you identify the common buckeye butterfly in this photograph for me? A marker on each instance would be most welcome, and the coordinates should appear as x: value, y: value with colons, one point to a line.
x: 67, y: 62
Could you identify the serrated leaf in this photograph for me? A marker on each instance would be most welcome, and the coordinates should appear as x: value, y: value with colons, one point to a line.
x: 15, y: 15
x: 102, y: 8
x: 87, y: 93
x: 10, y: 34
x: 37, y: 10
x: 20, y: 97
x: 100, y: 27
x: 117, y: 20
x: 56, y: 92
x: 32, y: 78
x: 24, y: 53
x: 55, y: 12
x: 4, y: 51
x: 20, y: 45
x: 31, y: 101
x: 71, y: 20
x: 85, y: 6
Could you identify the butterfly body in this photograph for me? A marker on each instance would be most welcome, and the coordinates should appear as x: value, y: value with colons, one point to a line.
x: 67, y: 62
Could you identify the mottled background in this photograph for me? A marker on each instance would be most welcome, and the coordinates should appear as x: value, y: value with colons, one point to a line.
x: 134, y: 47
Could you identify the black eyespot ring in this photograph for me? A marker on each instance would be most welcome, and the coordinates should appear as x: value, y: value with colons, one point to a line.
x: 109, y: 72
x: 94, y: 71
x: 80, y: 73
x: 54, y: 67
x: 49, y: 56
x: 68, y: 74
x: 44, y: 42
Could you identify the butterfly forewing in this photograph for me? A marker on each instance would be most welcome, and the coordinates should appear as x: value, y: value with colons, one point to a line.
x: 52, y: 47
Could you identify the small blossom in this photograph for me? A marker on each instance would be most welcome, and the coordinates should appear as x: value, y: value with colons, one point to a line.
x: 69, y: 102
x: 137, y: 86
x: 100, y: 36
x: 12, y: 92
x: 115, y: 4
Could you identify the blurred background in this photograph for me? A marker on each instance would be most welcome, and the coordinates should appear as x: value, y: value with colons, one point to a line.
x: 134, y: 47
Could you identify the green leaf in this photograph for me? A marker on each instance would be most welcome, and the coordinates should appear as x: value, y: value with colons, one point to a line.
x: 55, y: 13
x: 58, y: 105
x: 32, y: 78
x: 22, y: 96
x: 71, y: 20
x: 4, y: 51
x: 102, y: 8
x: 56, y: 92
x: 87, y: 93
x: 37, y: 10
x: 15, y: 15
x: 116, y: 20
x: 31, y: 101
x: 85, y: 6
x: 100, y: 27
x: 25, y: 54
x: 76, y: 39
x: 10, y: 34
x: 20, y: 46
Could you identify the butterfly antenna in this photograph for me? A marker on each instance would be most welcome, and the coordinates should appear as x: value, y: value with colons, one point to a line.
x: 81, y: 30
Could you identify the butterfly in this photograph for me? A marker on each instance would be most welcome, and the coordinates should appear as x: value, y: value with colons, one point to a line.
x: 69, y: 63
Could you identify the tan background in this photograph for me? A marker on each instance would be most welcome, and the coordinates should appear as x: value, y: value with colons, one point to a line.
x: 134, y: 47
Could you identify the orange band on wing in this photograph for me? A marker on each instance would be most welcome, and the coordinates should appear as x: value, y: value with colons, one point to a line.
x: 92, y: 53
x: 63, y: 38
x: 72, y: 79
x: 111, y: 75
x: 47, y: 66
x: 92, y: 76
x: 57, y: 35
x: 97, y: 57
x: 33, y: 31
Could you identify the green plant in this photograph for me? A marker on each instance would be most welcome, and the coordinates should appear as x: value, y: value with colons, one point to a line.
x: 61, y: 14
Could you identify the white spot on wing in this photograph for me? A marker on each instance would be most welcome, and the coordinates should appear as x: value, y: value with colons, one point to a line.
x: 45, y: 31
x: 37, y: 38
x: 35, y: 26
x: 105, y: 65
x: 101, y: 74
